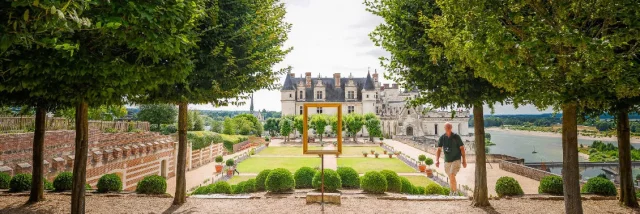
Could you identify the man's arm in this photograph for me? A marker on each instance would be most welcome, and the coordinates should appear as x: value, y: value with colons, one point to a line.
x: 438, y: 157
x: 464, y: 157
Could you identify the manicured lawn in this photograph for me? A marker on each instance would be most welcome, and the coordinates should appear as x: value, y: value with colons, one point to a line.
x: 362, y: 165
x: 357, y: 150
x: 239, y: 178
x: 257, y: 164
x: 417, y: 180
x: 285, y: 151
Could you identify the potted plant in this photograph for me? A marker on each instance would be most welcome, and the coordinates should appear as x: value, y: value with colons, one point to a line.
x: 384, y: 151
x: 421, y: 166
x: 377, y: 154
x: 390, y: 155
x: 230, y: 164
x: 219, y: 165
x: 373, y: 151
x: 397, y: 153
x: 429, y: 162
x: 364, y: 154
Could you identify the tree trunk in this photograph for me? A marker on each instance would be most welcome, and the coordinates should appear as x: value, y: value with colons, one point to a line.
x: 181, y: 183
x: 570, y: 170
x: 627, y: 193
x: 355, y: 137
x: 37, y: 183
x: 480, y: 193
x: 80, y: 161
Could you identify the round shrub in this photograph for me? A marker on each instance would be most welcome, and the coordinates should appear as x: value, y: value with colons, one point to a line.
x: 153, y: 184
x: 261, y: 178
x: 551, y: 184
x: 63, y: 181
x: 421, y: 158
x: 238, y: 188
x: 4, y: 180
x: 230, y: 162
x: 203, y: 190
x: 600, y: 186
x: 303, y: 177
x: 418, y: 190
x: 428, y: 161
x: 279, y: 180
x: 407, y: 187
x: 332, y: 181
x: 20, y: 182
x: 373, y: 182
x: 109, y: 183
x: 48, y: 185
x: 219, y: 159
x: 393, y: 181
x: 508, y: 186
x: 249, y: 186
x: 433, y: 189
x: 86, y: 186
x: 350, y: 178
x: 221, y: 187
x: 446, y: 190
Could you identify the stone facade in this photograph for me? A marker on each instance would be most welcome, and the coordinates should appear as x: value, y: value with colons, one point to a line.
x: 523, y: 170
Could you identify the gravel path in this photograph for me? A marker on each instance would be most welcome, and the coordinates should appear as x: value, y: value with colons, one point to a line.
x: 114, y: 205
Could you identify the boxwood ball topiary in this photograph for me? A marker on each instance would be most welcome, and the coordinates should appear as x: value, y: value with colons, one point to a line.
x: 261, y: 178
x: 48, y: 185
x: 407, y: 187
x: 421, y: 158
x: 63, y: 181
x: 239, y: 188
x: 350, y: 178
x: 551, y: 184
x: 446, y: 190
x: 109, y: 183
x: 221, y: 187
x: 508, y: 186
x: 393, y: 181
x: 20, y: 182
x: 304, y: 177
x: 433, y: 189
x: 249, y: 186
x: 279, y: 180
x: 418, y: 190
x: 4, y: 180
x: 153, y: 184
x: 600, y: 186
x: 332, y: 181
x: 373, y: 182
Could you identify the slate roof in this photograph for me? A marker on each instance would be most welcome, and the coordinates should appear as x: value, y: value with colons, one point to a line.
x: 332, y: 94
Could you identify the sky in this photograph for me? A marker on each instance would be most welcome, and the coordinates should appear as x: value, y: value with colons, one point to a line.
x: 332, y: 36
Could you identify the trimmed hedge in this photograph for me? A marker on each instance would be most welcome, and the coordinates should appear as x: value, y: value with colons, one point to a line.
x: 600, y: 186
x: 220, y: 187
x: 446, y: 190
x: 261, y: 178
x: 332, y: 181
x: 63, y: 181
x: 280, y: 180
x: 418, y: 190
x: 4, y: 180
x: 407, y: 187
x: 508, y: 186
x: 153, y: 184
x: 551, y: 184
x: 433, y: 189
x: 393, y: 181
x: 20, y: 182
x: 350, y: 178
x: 238, y: 188
x: 250, y: 186
x: 304, y: 177
x: 109, y: 183
x: 373, y: 182
x: 48, y: 185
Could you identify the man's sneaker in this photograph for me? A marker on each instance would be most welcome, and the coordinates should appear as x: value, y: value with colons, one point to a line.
x: 452, y: 193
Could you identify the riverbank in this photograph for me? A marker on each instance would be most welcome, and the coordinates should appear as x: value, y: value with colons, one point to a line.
x: 559, y: 135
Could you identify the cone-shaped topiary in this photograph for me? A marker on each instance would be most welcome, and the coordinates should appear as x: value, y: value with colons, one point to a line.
x: 261, y: 178
x: 373, y: 182
x: 20, y: 182
x: 4, y: 180
x: 551, y: 184
x: 433, y: 189
x: 63, y: 181
x: 332, y: 181
x: 508, y: 186
x: 407, y: 187
x: 153, y: 184
x: 350, y: 178
x: 393, y: 181
x: 279, y: 180
x: 600, y: 186
x: 304, y: 177
x: 109, y: 183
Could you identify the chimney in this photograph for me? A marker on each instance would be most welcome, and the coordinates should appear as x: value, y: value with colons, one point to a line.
x: 292, y: 75
x: 386, y: 85
x: 394, y: 86
x: 308, y: 76
x: 336, y: 77
x: 375, y: 76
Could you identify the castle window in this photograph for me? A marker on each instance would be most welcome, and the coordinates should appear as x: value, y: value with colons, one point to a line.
x: 300, y: 110
x: 350, y: 109
x: 319, y: 95
x: 319, y: 110
x: 376, y: 96
x: 350, y: 95
x: 367, y: 96
x: 300, y: 94
x: 290, y: 96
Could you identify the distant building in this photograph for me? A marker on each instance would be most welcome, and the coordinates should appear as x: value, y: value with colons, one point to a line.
x: 257, y: 114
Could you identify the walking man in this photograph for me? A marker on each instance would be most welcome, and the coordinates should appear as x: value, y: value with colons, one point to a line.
x: 453, y: 148
x: 235, y: 167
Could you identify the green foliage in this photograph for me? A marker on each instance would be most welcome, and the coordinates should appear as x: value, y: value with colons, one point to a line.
x: 446, y: 190
x: 220, y: 187
x: 372, y: 123
x: 63, y: 181
x: 153, y: 184
x: 373, y: 182
x: 230, y: 162
x: 168, y: 129
x: 238, y: 188
x: 279, y: 180
x: 48, y: 185
x: 303, y: 177
x: 249, y: 186
x: 297, y: 123
x: 353, y: 123
x: 198, y: 122
x: 219, y: 159
x: 422, y: 158
x: 261, y: 179
x: 508, y: 186
x: 419, y: 190
x: 20, y: 182
x: 551, y: 184
x: 407, y: 187
x: 318, y: 123
x: 433, y: 189
x: 158, y: 113
x: 202, y: 139
x: 600, y: 186
x: 272, y: 125
x: 229, y: 126
x: 254, y: 127
x: 350, y: 178
x: 332, y: 181
x: 87, y: 186
x: 393, y: 181
x: 428, y: 161
x: 285, y: 127
x: 109, y: 183
x: 243, y: 125
x: 4, y: 180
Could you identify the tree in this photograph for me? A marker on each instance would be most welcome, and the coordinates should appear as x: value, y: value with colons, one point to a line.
x: 285, y: 128
x: 417, y: 61
x: 353, y: 123
x: 549, y: 53
x: 319, y: 123
x: 216, y: 126
x: 333, y: 122
x: 243, y: 125
x: 198, y: 122
x: 256, y: 128
x: 229, y: 126
x: 272, y: 125
x: 297, y: 124
x: 158, y: 113
x: 373, y: 127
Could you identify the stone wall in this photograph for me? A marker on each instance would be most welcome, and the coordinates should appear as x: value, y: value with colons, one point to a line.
x: 523, y: 170
x: 203, y: 156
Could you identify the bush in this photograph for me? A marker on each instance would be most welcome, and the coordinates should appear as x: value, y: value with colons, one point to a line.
x: 446, y: 190
x: 602, y: 175
x: 109, y: 183
x: 20, y: 182
x: 332, y: 181
x: 63, y: 181
x: 393, y: 181
x: 219, y: 159
x: 433, y: 189
x: 350, y: 178
x: 418, y: 190
x: 203, y: 190
x: 508, y: 186
x: 421, y: 158
x: 279, y: 180
x: 168, y: 129
x: 4, y: 180
x: 600, y: 186
x: 407, y: 187
x: 48, y: 185
x: 249, y: 186
x: 239, y: 188
x: 373, y: 182
x: 261, y: 178
x: 551, y: 184
x: 230, y: 162
x: 304, y: 177
x: 153, y: 184
x: 220, y: 187
x: 428, y: 161
x: 86, y: 187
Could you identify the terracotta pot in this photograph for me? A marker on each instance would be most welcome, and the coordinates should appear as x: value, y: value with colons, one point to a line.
x: 218, y: 168
x: 380, y: 143
x: 429, y: 173
x: 372, y: 152
x: 390, y: 155
x: 229, y: 172
x: 266, y: 144
x: 422, y: 168
x: 376, y: 155
x: 385, y: 152
x: 365, y: 155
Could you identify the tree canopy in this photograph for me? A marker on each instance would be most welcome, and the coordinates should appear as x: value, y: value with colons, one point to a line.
x: 158, y: 113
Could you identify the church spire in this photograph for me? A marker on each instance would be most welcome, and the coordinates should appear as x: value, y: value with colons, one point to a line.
x: 251, y: 106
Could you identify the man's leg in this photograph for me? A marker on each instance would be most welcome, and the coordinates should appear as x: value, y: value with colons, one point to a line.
x: 452, y: 182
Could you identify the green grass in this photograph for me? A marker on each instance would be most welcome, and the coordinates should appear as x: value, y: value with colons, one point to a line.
x: 362, y: 165
x: 257, y: 164
x: 417, y: 180
x: 239, y: 178
x: 285, y: 151
x: 357, y: 150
